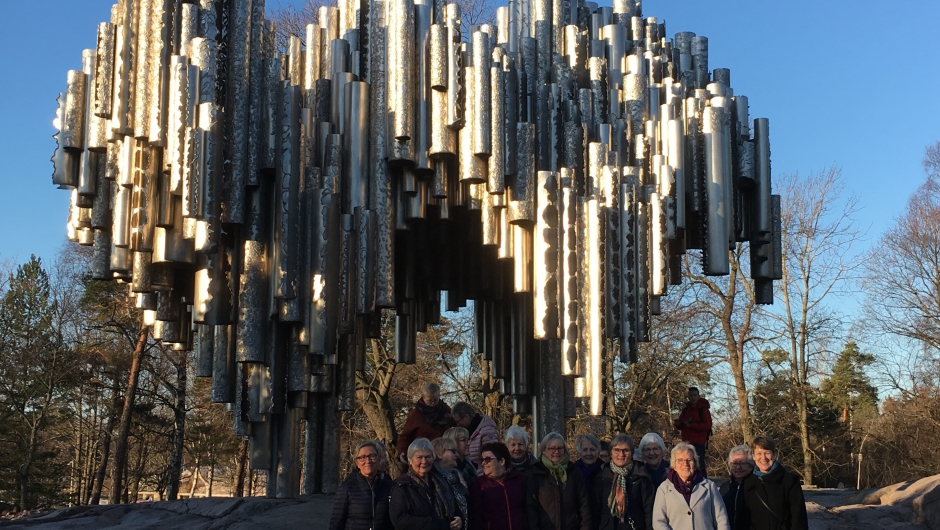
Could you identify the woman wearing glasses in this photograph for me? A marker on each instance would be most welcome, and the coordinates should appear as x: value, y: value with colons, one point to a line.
x: 741, y: 464
x: 556, y: 497
x: 623, y: 492
x: 653, y: 451
x: 422, y: 499
x: 686, y: 500
x: 497, y: 499
x: 362, y: 500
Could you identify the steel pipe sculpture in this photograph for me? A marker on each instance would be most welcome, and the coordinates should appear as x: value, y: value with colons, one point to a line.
x: 264, y: 208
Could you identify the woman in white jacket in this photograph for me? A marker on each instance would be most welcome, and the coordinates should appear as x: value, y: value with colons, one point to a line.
x: 686, y: 500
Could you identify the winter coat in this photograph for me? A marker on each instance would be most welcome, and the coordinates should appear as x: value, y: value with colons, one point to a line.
x: 640, y: 495
x: 657, y: 475
x: 411, y: 506
x: 776, y: 502
x: 589, y: 473
x: 525, y: 465
x: 704, y: 511
x: 739, y: 516
x: 697, y: 433
x: 468, y: 470
x: 361, y: 505
x: 551, y: 505
x: 482, y: 431
x: 416, y: 426
x: 496, y: 505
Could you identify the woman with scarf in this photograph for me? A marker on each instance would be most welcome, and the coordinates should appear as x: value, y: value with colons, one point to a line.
x: 445, y: 464
x: 686, y: 500
x: 429, y: 419
x: 497, y: 499
x: 589, y: 448
x: 467, y: 468
x: 556, y: 497
x: 773, y: 493
x: 421, y: 499
x: 623, y: 492
x: 653, y: 450
x: 517, y: 441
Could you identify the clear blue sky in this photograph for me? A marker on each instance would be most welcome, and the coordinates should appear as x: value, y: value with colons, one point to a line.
x: 846, y: 83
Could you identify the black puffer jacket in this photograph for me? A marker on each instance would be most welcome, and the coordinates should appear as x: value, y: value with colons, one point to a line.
x: 411, y: 505
x: 776, y: 502
x: 360, y: 505
x: 551, y: 505
x: 739, y: 516
x: 640, y: 497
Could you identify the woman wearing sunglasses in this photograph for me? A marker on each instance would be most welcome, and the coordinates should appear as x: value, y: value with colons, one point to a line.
x: 497, y: 499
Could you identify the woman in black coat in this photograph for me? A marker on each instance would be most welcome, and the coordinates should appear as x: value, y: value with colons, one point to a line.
x: 362, y: 500
x: 421, y: 499
x: 774, y: 495
x: 556, y: 497
x: 741, y: 464
x: 623, y: 492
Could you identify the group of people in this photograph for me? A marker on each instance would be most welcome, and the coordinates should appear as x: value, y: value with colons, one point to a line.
x: 458, y: 475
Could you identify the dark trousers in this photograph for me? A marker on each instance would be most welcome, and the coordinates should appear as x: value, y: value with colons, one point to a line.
x: 700, y: 451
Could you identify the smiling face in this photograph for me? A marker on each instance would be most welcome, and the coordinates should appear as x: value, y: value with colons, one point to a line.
x: 764, y: 458
x: 684, y: 464
x: 421, y: 462
x: 517, y: 449
x: 448, y: 459
x: 621, y: 455
x: 367, y: 461
x: 555, y: 450
x: 492, y: 466
x: 740, y: 467
x: 653, y: 454
x: 588, y: 452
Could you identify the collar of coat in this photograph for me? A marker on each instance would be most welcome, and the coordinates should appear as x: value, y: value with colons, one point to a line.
x: 698, y: 491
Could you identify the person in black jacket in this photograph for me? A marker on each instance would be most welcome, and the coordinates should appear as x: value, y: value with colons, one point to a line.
x: 556, y: 498
x: 732, y: 492
x: 773, y: 494
x: 623, y: 492
x: 421, y: 499
x: 362, y: 500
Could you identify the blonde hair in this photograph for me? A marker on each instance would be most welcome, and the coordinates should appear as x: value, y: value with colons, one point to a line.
x: 457, y: 434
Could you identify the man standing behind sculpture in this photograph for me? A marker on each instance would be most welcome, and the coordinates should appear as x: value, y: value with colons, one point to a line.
x: 429, y: 419
x: 482, y: 429
x: 695, y: 422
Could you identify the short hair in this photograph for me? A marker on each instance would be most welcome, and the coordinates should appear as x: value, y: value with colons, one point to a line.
x: 442, y: 444
x: 457, y: 433
x: 549, y: 438
x: 652, y: 437
x: 765, y: 442
x: 741, y: 450
x: 605, y: 445
x: 462, y: 408
x: 589, y: 438
x: 499, y: 450
x: 420, y: 444
x: 622, y: 438
x: 368, y: 443
x: 695, y: 388
x: 515, y: 432
x: 431, y: 389
x: 683, y: 447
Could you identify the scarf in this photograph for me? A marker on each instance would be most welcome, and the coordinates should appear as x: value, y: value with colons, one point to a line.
x: 442, y: 499
x: 760, y: 474
x: 437, y: 416
x: 459, y: 487
x: 617, y: 501
x: 682, y: 487
x: 558, y: 471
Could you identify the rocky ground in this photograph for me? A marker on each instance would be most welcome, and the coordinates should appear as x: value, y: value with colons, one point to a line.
x: 905, y: 506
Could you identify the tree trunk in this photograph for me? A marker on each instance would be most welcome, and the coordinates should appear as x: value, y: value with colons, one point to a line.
x: 802, y: 407
x: 106, y: 431
x: 211, y: 479
x: 120, y: 447
x: 179, y: 416
x: 192, y: 487
x: 241, y: 465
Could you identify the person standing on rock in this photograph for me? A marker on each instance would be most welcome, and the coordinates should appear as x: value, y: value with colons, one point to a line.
x: 741, y: 464
x: 481, y: 427
x: 429, y: 419
x: 695, y: 423
x: 774, y: 495
x: 361, y: 503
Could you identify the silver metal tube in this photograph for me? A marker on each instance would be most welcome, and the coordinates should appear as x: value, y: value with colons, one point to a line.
x: 568, y: 273
x: 422, y: 87
x: 762, y: 162
x: 546, y: 251
x: 356, y: 146
x: 716, y: 249
x: 401, y: 69
x: 522, y: 192
x: 495, y: 183
x: 478, y: 107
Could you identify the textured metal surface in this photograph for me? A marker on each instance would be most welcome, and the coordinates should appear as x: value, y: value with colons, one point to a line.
x: 288, y: 198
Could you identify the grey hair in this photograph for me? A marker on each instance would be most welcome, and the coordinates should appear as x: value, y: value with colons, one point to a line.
x: 462, y: 408
x: 431, y: 389
x: 549, y: 438
x: 368, y: 443
x: 622, y: 438
x: 741, y: 450
x: 652, y: 437
x: 515, y: 432
x: 420, y: 444
x: 589, y: 438
x: 683, y: 447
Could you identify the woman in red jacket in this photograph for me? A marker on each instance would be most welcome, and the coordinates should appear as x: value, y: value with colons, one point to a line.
x: 429, y: 419
x: 497, y: 499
